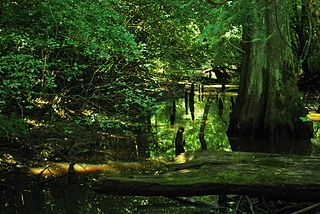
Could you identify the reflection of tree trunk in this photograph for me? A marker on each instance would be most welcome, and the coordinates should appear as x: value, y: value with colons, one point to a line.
x: 203, y: 125
x: 297, y: 147
x: 269, y: 104
x: 173, y: 113
x: 186, y: 101
x: 38, y: 199
x: 233, y: 102
x: 143, y: 142
x: 142, y: 133
x: 202, y: 92
x: 179, y: 141
x: 220, y: 107
x: 199, y: 92
x: 191, y: 101
x: 223, y: 203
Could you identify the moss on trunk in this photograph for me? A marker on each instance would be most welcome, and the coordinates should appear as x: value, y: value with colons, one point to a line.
x: 207, y: 173
x: 269, y: 103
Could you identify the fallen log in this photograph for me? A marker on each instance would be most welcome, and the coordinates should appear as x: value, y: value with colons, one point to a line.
x: 274, y: 176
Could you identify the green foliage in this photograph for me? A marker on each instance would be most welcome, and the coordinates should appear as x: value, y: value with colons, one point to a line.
x: 304, y: 119
x: 313, y: 61
x: 223, y: 35
x: 11, y: 127
x: 102, y: 55
x: 172, y: 33
x: 305, y: 36
x: 79, y: 48
x: 59, y: 46
x: 99, y: 120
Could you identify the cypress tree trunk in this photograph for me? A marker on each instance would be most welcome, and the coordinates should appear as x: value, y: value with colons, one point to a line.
x: 269, y: 104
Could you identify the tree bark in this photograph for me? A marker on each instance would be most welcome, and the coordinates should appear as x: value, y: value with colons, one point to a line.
x: 268, y: 104
x: 293, y: 178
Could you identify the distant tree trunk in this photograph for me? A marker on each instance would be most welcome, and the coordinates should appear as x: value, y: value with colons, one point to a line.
x: 269, y: 104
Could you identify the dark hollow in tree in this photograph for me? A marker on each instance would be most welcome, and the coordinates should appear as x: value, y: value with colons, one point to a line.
x: 179, y: 141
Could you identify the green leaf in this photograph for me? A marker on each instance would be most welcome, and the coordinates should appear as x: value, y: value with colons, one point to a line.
x: 304, y: 119
x: 29, y: 107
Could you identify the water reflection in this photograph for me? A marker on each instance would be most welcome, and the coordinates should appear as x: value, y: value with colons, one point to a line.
x: 65, y: 199
x: 296, y: 147
x: 205, y: 122
x: 142, y: 132
x: 191, y: 101
x: 72, y: 199
x: 204, y: 125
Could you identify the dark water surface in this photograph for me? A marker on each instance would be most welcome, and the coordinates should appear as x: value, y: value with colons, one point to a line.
x: 154, y: 138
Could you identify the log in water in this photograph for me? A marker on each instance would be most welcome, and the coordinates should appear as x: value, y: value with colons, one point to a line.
x: 294, y: 178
